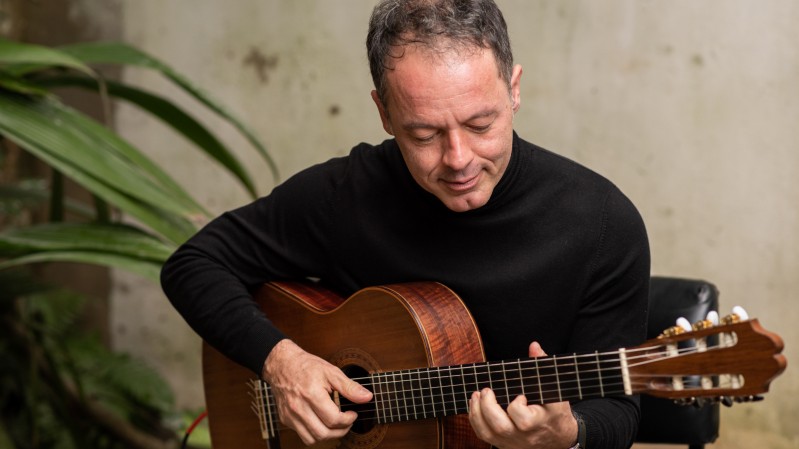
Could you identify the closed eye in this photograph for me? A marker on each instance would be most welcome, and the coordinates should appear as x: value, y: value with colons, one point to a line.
x: 424, y: 139
x: 480, y: 129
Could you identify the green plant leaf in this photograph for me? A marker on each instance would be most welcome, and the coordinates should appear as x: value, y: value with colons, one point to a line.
x: 20, y: 85
x: 145, y: 268
x: 121, y: 240
x: 31, y: 193
x: 120, y: 53
x: 169, y: 113
x: 101, y: 162
x: 18, y: 58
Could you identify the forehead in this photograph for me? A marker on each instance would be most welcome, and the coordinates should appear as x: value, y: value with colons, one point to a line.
x: 429, y: 77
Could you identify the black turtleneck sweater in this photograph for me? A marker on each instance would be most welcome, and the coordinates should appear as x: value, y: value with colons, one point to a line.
x: 558, y: 255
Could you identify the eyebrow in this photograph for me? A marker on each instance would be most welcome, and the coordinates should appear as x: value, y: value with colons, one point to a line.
x: 410, y: 126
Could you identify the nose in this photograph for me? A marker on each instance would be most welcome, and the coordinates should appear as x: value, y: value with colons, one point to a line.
x: 457, y: 153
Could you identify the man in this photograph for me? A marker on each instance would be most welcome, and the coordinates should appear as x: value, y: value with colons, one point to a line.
x: 545, y: 253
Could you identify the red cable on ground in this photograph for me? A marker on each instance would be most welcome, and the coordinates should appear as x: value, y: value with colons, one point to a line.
x: 192, y: 426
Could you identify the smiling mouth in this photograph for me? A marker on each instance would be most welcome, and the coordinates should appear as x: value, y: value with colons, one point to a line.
x: 461, y: 186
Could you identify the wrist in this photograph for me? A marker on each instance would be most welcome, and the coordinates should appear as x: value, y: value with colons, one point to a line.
x: 278, y: 351
x: 581, y: 437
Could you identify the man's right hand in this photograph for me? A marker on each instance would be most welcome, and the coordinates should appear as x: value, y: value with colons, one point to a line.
x: 302, y: 384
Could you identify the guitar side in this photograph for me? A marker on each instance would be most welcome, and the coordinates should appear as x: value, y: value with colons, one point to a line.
x: 386, y: 328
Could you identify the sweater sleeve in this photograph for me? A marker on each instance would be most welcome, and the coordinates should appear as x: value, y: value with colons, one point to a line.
x: 210, y: 279
x: 614, y: 315
x: 206, y: 283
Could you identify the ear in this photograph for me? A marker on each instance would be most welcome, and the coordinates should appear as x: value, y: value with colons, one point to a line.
x: 515, y: 92
x: 381, y: 109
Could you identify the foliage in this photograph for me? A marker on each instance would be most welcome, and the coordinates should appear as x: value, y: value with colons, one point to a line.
x: 55, y: 380
x: 58, y: 386
x: 34, y: 118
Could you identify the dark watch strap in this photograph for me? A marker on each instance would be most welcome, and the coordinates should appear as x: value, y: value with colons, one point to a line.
x: 580, y: 432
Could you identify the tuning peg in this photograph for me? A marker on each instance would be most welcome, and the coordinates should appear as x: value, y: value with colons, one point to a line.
x: 728, y: 401
x: 713, y: 317
x: 685, y: 401
x: 738, y: 310
x: 752, y: 398
x: 672, y: 331
x: 738, y: 314
x: 703, y: 324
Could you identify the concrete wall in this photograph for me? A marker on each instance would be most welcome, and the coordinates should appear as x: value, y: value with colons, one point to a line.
x: 690, y: 107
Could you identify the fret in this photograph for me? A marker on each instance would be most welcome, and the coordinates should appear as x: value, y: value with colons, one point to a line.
x: 465, y: 390
x: 377, y: 397
x: 388, y: 395
x: 403, y: 405
x: 416, y: 394
x: 521, y: 376
x: 397, y: 387
x: 441, y: 382
x: 538, y: 376
x: 505, y: 382
x: 426, y: 393
x: 447, y: 391
x: 431, y: 390
x: 482, y: 378
x: 599, y: 373
x: 381, y: 398
x: 436, y: 396
x: 557, y: 378
x: 577, y: 375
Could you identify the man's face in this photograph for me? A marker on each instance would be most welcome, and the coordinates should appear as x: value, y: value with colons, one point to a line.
x: 452, y: 116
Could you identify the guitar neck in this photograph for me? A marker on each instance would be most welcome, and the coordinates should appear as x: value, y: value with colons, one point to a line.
x: 442, y: 391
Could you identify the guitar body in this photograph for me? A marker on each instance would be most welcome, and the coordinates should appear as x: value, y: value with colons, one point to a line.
x: 378, y: 329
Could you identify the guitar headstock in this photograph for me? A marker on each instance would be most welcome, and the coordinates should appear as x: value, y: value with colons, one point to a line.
x: 729, y: 360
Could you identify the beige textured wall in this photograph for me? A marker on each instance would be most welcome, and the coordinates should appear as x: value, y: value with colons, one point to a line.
x: 690, y: 107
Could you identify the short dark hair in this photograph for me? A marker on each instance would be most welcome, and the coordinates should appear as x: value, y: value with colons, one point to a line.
x: 460, y: 23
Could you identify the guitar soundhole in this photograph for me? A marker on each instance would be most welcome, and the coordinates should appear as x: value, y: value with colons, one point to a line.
x: 366, y: 412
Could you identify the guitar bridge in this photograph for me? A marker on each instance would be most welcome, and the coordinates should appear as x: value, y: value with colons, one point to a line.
x: 262, y: 405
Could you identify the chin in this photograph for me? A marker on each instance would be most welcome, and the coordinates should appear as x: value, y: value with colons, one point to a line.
x: 459, y: 204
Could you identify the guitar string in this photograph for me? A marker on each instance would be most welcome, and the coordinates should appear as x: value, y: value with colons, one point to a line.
x: 547, y: 363
x: 645, y: 356
x: 406, y: 376
x: 571, y: 392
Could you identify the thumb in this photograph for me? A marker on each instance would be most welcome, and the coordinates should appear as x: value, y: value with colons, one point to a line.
x: 535, y: 350
x: 353, y: 391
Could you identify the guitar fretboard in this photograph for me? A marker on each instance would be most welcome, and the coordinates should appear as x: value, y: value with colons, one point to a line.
x: 442, y: 391
x: 434, y: 392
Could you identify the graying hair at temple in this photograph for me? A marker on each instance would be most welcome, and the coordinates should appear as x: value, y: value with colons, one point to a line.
x: 460, y: 25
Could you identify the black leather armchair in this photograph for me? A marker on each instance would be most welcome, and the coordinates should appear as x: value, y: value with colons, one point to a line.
x: 662, y: 421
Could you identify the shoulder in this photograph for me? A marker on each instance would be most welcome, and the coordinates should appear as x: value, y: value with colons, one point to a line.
x: 570, y: 183
x: 363, y: 160
x: 367, y: 171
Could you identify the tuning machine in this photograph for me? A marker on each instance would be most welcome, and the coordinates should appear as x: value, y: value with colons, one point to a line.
x: 683, y: 325
x: 738, y: 314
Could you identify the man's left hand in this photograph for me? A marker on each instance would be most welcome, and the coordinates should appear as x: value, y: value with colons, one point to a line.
x: 523, y: 426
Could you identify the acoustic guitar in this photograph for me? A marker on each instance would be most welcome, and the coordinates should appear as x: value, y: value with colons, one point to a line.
x: 417, y: 348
